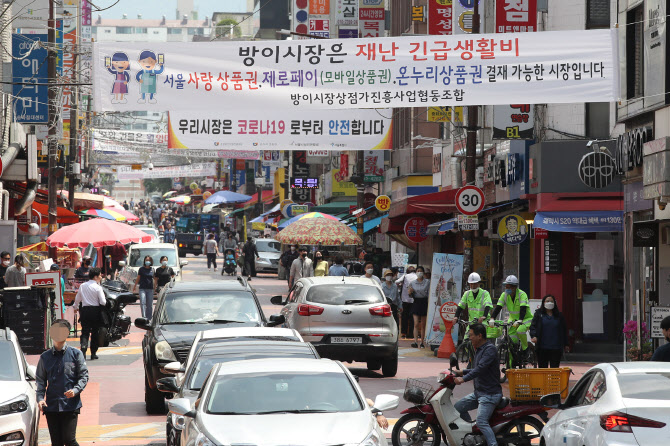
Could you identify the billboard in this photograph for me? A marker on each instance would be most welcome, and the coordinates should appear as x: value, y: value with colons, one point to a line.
x: 30, y: 76
x: 188, y: 170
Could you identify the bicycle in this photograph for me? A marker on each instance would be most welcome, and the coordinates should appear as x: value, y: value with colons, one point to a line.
x: 465, y: 352
x: 510, y: 354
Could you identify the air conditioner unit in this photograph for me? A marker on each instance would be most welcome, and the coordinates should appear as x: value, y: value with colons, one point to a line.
x: 17, y: 134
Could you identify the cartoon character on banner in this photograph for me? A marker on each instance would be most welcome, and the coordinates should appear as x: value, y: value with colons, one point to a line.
x: 147, y: 76
x: 513, y: 230
x: 118, y: 65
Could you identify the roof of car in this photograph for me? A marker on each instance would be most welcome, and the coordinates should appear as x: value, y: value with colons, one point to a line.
x: 639, y: 367
x: 330, y: 280
x: 5, y: 335
x: 280, y: 365
x: 250, y: 332
x: 246, y: 346
x: 154, y: 245
x: 209, y: 285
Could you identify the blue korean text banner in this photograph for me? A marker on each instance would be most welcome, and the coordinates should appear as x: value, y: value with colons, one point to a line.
x: 580, y: 221
x: 31, y: 100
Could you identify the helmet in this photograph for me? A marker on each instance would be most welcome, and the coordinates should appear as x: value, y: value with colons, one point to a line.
x: 474, y: 278
x: 413, y: 395
x: 511, y: 280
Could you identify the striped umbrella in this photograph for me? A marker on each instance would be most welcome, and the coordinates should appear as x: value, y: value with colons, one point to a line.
x: 307, y: 215
x: 108, y: 213
x: 315, y: 231
x: 182, y: 199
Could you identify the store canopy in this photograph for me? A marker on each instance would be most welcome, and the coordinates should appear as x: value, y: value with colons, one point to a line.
x: 266, y: 196
x: 441, y: 227
x: 227, y: 197
x: 434, y: 203
x: 65, y: 216
x: 262, y: 218
x: 370, y: 224
x: 580, y: 221
x: 83, y: 200
x: 334, y: 207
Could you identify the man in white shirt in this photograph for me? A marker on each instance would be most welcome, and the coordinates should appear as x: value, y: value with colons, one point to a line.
x: 407, y: 322
x: 301, y: 267
x: 92, y: 300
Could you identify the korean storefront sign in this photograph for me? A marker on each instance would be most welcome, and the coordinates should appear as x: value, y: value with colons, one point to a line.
x: 371, y: 18
x: 374, y: 166
x: 513, y: 229
x: 319, y: 7
x: 418, y: 13
x: 416, y: 229
x: 516, y: 16
x: 464, y: 11
x: 445, y: 114
x: 30, y: 68
x: 584, y: 221
x: 308, y: 130
x: 410, y: 71
x: 440, y: 17
x: 189, y: 170
x: 346, y: 13
x: 300, y: 18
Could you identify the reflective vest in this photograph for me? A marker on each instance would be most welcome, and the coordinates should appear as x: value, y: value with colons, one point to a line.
x: 514, y: 305
x: 476, y: 306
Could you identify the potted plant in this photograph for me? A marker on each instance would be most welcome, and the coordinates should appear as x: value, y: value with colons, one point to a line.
x: 644, y: 352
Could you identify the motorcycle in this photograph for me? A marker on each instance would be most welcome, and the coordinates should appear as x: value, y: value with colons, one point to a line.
x: 229, y: 262
x: 116, y: 324
x: 434, y: 419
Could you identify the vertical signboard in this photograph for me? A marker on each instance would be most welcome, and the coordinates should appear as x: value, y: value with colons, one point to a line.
x: 301, y: 18
x: 30, y: 76
x: 319, y: 26
x: 300, y: 170
x: 371, y: 18
x: 70, y: 15
x: 654, y: 50
x: 346, y: 19
x: 374, y: 166
x: 319, y: 7
x: 464, y: 11
x: 440, y: 17
x: 514, y: 16
x: 86, y: 59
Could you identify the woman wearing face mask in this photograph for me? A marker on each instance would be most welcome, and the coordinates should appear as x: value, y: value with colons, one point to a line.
x: 6, y: 261
x: 163, y: 274
x: 320, y: 266
x: 549, y: 333
x: 392, y: 294
x: 419, y: 290
x: 145, y: 279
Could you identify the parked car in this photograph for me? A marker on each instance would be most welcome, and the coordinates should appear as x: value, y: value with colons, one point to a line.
x: 290, y: 401
x: 153, y: 232
x: 623, y: 403
x: 182, y: 310
x: 19, y: 414
x: 346, y: 318
x: 136, y: 254
x: 269, y: 251
x: 213, y: 350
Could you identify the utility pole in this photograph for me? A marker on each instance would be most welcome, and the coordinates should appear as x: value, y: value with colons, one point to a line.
x: 471, y: 159
x: 74, y: 130
x: 360, y: 189
x: 53, y: 121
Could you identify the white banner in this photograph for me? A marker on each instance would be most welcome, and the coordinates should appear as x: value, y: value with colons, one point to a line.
x: 412, y: 71
x: 302, y: 130
x: 189, y: 170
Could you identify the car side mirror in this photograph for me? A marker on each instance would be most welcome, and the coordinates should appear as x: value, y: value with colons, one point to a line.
x: 183, y: 263
x: 142, y: 323
x: 277, y: 300
x: 174, y: 367
x: 181, y: 406
x: 385, y: 402
x: 276, y: 319
x: 31, y: 373
x: 167, y: 385
x: 552, y: 401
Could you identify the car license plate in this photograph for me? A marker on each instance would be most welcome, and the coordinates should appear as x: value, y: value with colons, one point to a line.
x: 345, y: 340
x: 197, y: 247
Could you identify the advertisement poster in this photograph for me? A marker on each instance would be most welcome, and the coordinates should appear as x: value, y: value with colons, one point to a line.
x: 445, y: 286
x: 409, y: 71
x: 189, y: 170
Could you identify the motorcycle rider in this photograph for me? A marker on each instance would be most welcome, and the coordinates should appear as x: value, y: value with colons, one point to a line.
x: 92, y: 300
x: 486, y: 376
x: 516, y: 302
x: 478, y: 303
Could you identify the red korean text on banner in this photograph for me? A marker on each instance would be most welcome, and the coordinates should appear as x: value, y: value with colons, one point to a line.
x: 319, y: 7
x: 516, y: 16
x: 440, y: 17
x: 416, y: 229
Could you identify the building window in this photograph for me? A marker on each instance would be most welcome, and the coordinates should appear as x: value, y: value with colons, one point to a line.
x: 597, y: 14
x: 635, y: 52
x: 124, y: 30
x: 108, y: 31
x: 156, y: 32
x: 174, y: 30
x: 139, y: 127
x: 598, y: 120
x: 140, y: 30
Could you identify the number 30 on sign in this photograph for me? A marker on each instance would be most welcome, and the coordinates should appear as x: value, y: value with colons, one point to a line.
x: 469, y: 200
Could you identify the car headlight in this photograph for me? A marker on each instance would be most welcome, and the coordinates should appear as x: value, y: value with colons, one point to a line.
x: 202, y: 440
x: 441, y: 376
x: 164, y: 352
x: 178, y: 421
x: 16, y: 405
x: 372, y: 439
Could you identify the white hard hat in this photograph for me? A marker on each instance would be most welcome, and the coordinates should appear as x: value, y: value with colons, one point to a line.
x: 511, y: 280
x: 474, y: 278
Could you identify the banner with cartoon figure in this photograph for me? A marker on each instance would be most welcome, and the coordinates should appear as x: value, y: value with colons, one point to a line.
x: 513, y: 229
x: 445, y: 286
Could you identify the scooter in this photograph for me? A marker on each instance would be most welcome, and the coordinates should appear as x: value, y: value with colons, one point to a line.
x: 229, y: 262
x: 434, y: 418
x: 116, y: 324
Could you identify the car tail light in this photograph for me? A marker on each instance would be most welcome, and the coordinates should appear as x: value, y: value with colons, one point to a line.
x: 309, y: 310
x: 382, y: 310
x: 621, y: 422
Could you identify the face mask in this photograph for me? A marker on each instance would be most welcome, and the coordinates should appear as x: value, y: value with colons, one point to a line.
x: 549, y: 305
x: 389, y: 278
x: 508, y: 291
x: 164, y: 263
x: 369, y: 271
x: 292, y: 249
x: 475, y: 288
x: 147, y: 263
x: 419, y: 274
x: 5, y: 263
x: 304, y: 254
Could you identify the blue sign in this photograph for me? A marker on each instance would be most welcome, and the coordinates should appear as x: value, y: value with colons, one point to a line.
x: 580, y: 221
x: 468, y: 4
x: 347, y: 33
x: 59, y: 45
x: 31, y: 104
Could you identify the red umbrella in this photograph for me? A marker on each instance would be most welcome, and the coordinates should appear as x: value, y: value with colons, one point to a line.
x: 98, y: 232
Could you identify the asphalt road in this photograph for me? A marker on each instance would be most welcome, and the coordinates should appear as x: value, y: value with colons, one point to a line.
x: 113, y: 401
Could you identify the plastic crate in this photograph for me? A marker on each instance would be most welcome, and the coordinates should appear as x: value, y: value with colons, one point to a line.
x: 532, y: 384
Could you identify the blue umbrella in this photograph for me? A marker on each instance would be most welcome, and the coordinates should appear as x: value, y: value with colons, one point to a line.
x: 226, y: 196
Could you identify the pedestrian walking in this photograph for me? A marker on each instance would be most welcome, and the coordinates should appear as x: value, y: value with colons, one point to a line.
x: 320, y: 265
x: 369, y: 269
x: 5, y: 262
x: 15, y: 275
x: 392, y: 295
x: 211, y: 249
x: 169, y: 233
x: 407, y: 320
x: 250, y: 256
x: 663, y: 352
x: 419, y: 290
x: 549, y: 333
x: 92, y: 299
x: 118, y: 253
x: 163, y: 274
x: 125, y: 205
x: 61, y: 376
x: 301, y: 267
x: 338, y: 269
x: 145, y: 280
x: 287, y: 259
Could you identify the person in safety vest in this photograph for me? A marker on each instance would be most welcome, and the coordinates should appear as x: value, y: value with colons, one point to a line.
x: 478, y: 303
x: 516, y: 302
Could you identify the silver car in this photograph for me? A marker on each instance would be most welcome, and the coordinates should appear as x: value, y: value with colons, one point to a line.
x: 346, y: 318
x: 269, y: 251
x: 283, y: 401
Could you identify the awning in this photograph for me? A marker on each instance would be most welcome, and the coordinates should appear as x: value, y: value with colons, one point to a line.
x: 64, y: 216
x: 370, y: 224
x: 267, y: 195
x: 441, y: 227
x: 580, y: 221
x: 435, y: 203
x: 334, y: 207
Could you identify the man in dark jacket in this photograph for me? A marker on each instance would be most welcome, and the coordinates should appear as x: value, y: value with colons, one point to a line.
x: 486, y: 376
x: 250, y: 256
x: 287, y: 259
x: 663, y: 352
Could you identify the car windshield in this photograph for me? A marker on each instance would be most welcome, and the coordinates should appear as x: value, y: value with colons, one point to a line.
x: 137, y: 254
x: 205, y: 364
x: 645, y: 386
x: 344, y: 294
x: 9, y: 366
x: 277, y: 392
x: 150, y: 231
x: 209, y: 306
x: 268, y: 246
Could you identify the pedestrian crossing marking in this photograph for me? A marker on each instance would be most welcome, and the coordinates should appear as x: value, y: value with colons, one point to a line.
x: 133, y: 350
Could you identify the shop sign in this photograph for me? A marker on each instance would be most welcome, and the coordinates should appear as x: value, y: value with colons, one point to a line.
x: 596, y: 170
x: 464, y: 15
x: 300, y: 18
x: 540, y: 233
x: 513, y: 168
x: 513, y: 121
x: 513, y: 229
x: 634, y: 198
x: 628, y: 153
x: 584, y: 221
x: 371, y: 18
x: 373, y: 166
x: 416, y: 229
x: 553, y: 254
x: 468, y: 222
x: 645, y: 234
x: 657, y: 316
x: 319, y: 7
x: 343, y: 33
x: 383, y: 203
x: 440, y: 17
x: 437, y: 163
x: 445, y: 114
x: 418, y: 13
x: 516, y: 16
x: 347, y: 14
x: 319, y: 27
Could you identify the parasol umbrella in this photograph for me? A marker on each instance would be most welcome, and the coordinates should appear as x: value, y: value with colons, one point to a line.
x: 107, y: 214
x: 129, y: 216
x: 97, y: 232
x: 169, y: 194
x: 182, y: 199
x: 110, y: 203
x: 319, y: 231
x: 226, y: 196
x: 307, y: 215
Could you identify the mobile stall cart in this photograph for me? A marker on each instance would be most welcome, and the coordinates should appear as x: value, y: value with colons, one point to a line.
x: 50, y: 280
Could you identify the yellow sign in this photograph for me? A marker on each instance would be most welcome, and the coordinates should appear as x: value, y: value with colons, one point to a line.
x: 383, y: 203
x: 342, y: 188
x: 445, y: 114
x: 136, y: 167
x: 258, y: 226
x: 513, y: 229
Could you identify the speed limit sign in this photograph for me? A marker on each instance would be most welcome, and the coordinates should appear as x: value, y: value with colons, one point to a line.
x: 469, y: 200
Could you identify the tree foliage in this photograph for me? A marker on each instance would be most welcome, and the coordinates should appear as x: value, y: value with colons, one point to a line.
x: 160, y: 185
x: 223, y: 28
